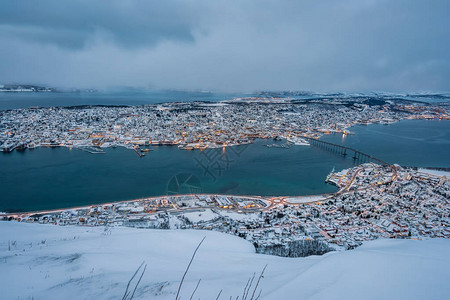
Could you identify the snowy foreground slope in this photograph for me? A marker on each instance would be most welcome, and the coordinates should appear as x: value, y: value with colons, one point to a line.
x: 52, y: 262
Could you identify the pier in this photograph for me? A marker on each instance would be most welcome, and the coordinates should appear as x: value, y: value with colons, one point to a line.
x: 138, y: 151
x: 357, y: 156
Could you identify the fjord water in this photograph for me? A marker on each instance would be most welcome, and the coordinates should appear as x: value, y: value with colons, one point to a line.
x: 56, y: 178
x: 419, y: 143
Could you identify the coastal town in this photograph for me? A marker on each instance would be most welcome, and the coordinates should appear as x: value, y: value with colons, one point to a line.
x: 373, y: 201
x: 201, y: 125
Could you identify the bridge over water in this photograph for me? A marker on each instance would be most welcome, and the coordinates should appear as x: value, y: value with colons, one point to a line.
x: 357, y: 156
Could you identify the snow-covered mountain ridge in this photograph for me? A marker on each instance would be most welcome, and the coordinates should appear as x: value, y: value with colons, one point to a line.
x: 53, y: 262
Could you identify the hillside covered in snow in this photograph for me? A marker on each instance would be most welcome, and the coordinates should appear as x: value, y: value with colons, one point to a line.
x: 54, y: 262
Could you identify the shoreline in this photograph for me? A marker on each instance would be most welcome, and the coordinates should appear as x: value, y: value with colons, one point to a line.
x: 270, y: 201
x: 200, y: 146
x: 56, y: 210
x: 294, y: 200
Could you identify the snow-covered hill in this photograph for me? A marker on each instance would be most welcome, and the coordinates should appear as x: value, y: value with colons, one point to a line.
x: 52, y: 262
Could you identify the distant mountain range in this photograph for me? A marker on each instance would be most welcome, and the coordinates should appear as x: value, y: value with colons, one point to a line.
x: 25, y: 88
x: 281, y: 94
x: 18, y: 88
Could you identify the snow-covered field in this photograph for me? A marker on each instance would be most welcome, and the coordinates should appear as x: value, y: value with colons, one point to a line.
x: 51, y: 262
x: 305, y: 199
x: 204, y: 215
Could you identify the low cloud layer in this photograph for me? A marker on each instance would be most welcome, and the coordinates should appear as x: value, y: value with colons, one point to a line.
x: 349, y: 45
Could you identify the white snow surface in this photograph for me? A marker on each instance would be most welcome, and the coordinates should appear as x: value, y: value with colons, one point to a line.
x: 53, y: 262
x: 435, y: 172
x: 204, y: 215
x: 305, y: 199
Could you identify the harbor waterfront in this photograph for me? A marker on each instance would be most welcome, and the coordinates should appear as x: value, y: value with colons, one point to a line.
x: 46, y: 178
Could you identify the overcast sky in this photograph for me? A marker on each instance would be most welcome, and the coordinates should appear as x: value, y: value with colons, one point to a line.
x: 245, y: 45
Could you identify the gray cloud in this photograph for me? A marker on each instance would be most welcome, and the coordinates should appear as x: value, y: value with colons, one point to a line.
x: 72, y: 24
x: 349, y: 45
